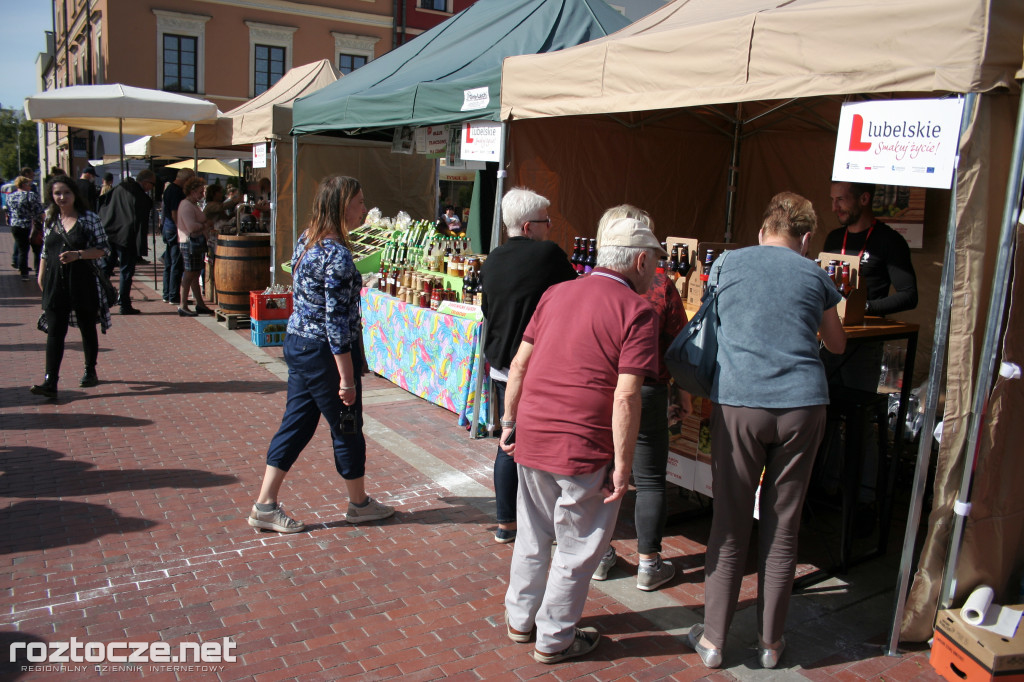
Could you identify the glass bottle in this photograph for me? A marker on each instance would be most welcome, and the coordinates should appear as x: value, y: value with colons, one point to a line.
x: 591, y: 261
x: 844, y: 281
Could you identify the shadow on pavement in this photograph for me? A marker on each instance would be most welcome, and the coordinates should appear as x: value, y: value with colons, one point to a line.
x: 30, y: 472
x: 35, y: 525
x: 12, y: 669
x: 64, y: 421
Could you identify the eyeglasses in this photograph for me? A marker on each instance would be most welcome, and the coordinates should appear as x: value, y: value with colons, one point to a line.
x: 542, y: 220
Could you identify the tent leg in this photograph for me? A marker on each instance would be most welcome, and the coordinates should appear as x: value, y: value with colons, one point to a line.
x: 478, y: 361
x: 273, y: 212
x: 924, y: 449
x: 295, y: 190
x: 734, y: 171
x: 987, y: 359
x: 499, y: 189
x: 120, y: 143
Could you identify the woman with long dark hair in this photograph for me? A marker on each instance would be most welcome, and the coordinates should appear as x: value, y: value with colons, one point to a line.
x: 69, y: 278
x: 323, y: 349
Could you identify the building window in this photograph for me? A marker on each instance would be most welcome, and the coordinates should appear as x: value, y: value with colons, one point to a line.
x: 180, y: 50
x: 179, y: 63
x: 347, y: 63
x: 270, y: 55
x: 353, y: 50
x: 269, y: 67
x: 438, y: 5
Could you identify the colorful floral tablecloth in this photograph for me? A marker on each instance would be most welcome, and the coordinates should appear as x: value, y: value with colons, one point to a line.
x: 428, y: 354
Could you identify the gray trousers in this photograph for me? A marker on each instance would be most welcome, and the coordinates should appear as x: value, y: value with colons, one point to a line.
x: 744, y: 441
x: 548, y: 585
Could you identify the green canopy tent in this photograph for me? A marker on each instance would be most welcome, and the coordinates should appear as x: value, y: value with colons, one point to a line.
x: 451, y: 73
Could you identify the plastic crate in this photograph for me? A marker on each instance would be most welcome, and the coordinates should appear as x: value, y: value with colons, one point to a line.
x: 268, y: 332
x: 270, y: 306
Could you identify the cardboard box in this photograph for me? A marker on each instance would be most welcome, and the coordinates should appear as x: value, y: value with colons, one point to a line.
x: 851, y: 308
x: 961, y: 652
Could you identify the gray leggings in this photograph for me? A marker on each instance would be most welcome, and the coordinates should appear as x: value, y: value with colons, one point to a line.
x: 744, y: 440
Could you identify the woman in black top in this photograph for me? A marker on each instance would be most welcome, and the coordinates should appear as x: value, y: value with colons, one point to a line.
x: 68, y: 277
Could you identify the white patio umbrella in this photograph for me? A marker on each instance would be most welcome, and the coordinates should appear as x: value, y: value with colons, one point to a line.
x: 121, y: 109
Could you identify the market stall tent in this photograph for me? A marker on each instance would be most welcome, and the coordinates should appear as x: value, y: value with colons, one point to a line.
x: 452, y: 74
x: 390, y: 182
x: 171, y: 147
x: 703, y: 110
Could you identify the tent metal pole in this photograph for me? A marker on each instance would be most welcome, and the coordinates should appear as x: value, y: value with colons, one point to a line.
x: 499, y: 190
x: 153, y: 228
x: 295, y: 190
x: 273, y: 211
x: 734, y: 171
x: 987, y: 359
x: 120, y: 143
x: 924, y: 450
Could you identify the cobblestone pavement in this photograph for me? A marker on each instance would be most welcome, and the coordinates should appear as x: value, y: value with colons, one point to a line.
x: 123, y: 514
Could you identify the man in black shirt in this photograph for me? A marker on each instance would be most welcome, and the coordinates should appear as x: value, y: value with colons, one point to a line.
x: 514, y: 277
x: 122, y: 216
x: 884, y: 254
x: 87, y: 188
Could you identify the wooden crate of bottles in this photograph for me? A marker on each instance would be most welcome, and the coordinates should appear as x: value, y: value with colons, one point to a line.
x: 845, y: 272
x: 707, y: 253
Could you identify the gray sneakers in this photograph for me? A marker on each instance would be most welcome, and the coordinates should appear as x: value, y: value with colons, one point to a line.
x: 650, y: 579
x: 605, y: 565
x: 373, y: 511
x: 584, y: 642
x: 275, y: 520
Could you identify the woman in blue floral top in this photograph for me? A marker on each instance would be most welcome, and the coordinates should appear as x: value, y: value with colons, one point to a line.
x: 323, y: 349
x: 72, y: 240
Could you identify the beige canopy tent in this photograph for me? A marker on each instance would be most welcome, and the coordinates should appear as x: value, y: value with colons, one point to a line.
x: 390, y: 182
x: 165, y: 147
x: 703, y: 110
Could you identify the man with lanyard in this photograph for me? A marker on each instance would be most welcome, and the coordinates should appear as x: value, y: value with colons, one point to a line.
x: 884, y: 263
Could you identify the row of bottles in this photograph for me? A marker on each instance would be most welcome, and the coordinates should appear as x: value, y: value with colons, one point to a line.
x: 840, y: 276
x: 678, y: 263
x: 415, y: 288
x: 584, y: 256
x: 446, y: 254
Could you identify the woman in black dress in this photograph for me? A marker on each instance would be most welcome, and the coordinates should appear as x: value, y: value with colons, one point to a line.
x: 68, y: 276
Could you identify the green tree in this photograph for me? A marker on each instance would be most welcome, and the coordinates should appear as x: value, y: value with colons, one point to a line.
x: 14, y: 129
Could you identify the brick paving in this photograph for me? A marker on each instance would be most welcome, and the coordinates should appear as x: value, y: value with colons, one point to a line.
x: 123, y: 515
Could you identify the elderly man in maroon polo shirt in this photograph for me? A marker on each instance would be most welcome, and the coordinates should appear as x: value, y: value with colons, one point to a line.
x: 573, y: 403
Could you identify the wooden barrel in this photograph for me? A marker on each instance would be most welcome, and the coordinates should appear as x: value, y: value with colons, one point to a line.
x: 243, y: 265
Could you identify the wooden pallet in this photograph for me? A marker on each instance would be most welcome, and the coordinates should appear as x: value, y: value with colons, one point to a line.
x: 232, y: 320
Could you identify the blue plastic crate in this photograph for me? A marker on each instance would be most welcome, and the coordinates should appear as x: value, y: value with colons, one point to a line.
x: 268, y: 332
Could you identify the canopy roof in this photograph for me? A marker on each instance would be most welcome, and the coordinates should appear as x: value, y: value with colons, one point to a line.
x: 699, y: 52
x: 267, y: 115
x: 423, y: 82
x: 170, y: 147
x: 119, y: 108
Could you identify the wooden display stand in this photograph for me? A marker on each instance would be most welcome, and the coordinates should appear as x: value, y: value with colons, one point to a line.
x: 851, y: 308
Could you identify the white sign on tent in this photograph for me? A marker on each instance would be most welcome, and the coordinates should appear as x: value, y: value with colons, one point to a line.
x: 481, y: 140
x: 898, y: 142
x: 259, y: 155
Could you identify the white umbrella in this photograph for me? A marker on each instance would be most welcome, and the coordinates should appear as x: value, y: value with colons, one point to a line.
x: 119, y: 108
x: 212, y: 166
x: 163, y: 147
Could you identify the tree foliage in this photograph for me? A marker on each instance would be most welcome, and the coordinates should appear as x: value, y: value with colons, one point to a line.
x: 14, y: 128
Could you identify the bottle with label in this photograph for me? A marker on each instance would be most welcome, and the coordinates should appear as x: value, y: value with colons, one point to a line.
x: 574, y: 260
x: 591, y: 261
x: 705, y: 272
x: 845, y: 288
x: 684, y: 261
x: 673, y: 264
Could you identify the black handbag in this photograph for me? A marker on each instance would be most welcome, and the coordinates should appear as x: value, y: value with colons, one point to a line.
x: 693, y: 355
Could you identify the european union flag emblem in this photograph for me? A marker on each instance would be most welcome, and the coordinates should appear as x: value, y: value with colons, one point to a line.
x: 930, y: 169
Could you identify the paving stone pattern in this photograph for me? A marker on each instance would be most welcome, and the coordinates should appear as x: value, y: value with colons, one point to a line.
x: 123, y: 514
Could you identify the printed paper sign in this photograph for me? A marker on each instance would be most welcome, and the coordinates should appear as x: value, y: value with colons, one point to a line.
x: 437, y: 140
x: 477, y: 98
x: 259, y: 155
x: 481, y: 140
x: 898, y: 142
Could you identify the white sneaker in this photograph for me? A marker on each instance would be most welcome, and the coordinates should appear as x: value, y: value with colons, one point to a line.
x: 275, y: 520
x: 374, y: 511
x: 605, y: 565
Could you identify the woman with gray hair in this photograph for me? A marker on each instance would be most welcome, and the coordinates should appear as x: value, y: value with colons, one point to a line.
x: 769, y: 397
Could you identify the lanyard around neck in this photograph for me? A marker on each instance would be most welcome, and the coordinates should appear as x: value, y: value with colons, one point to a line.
x: 864, y: 246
